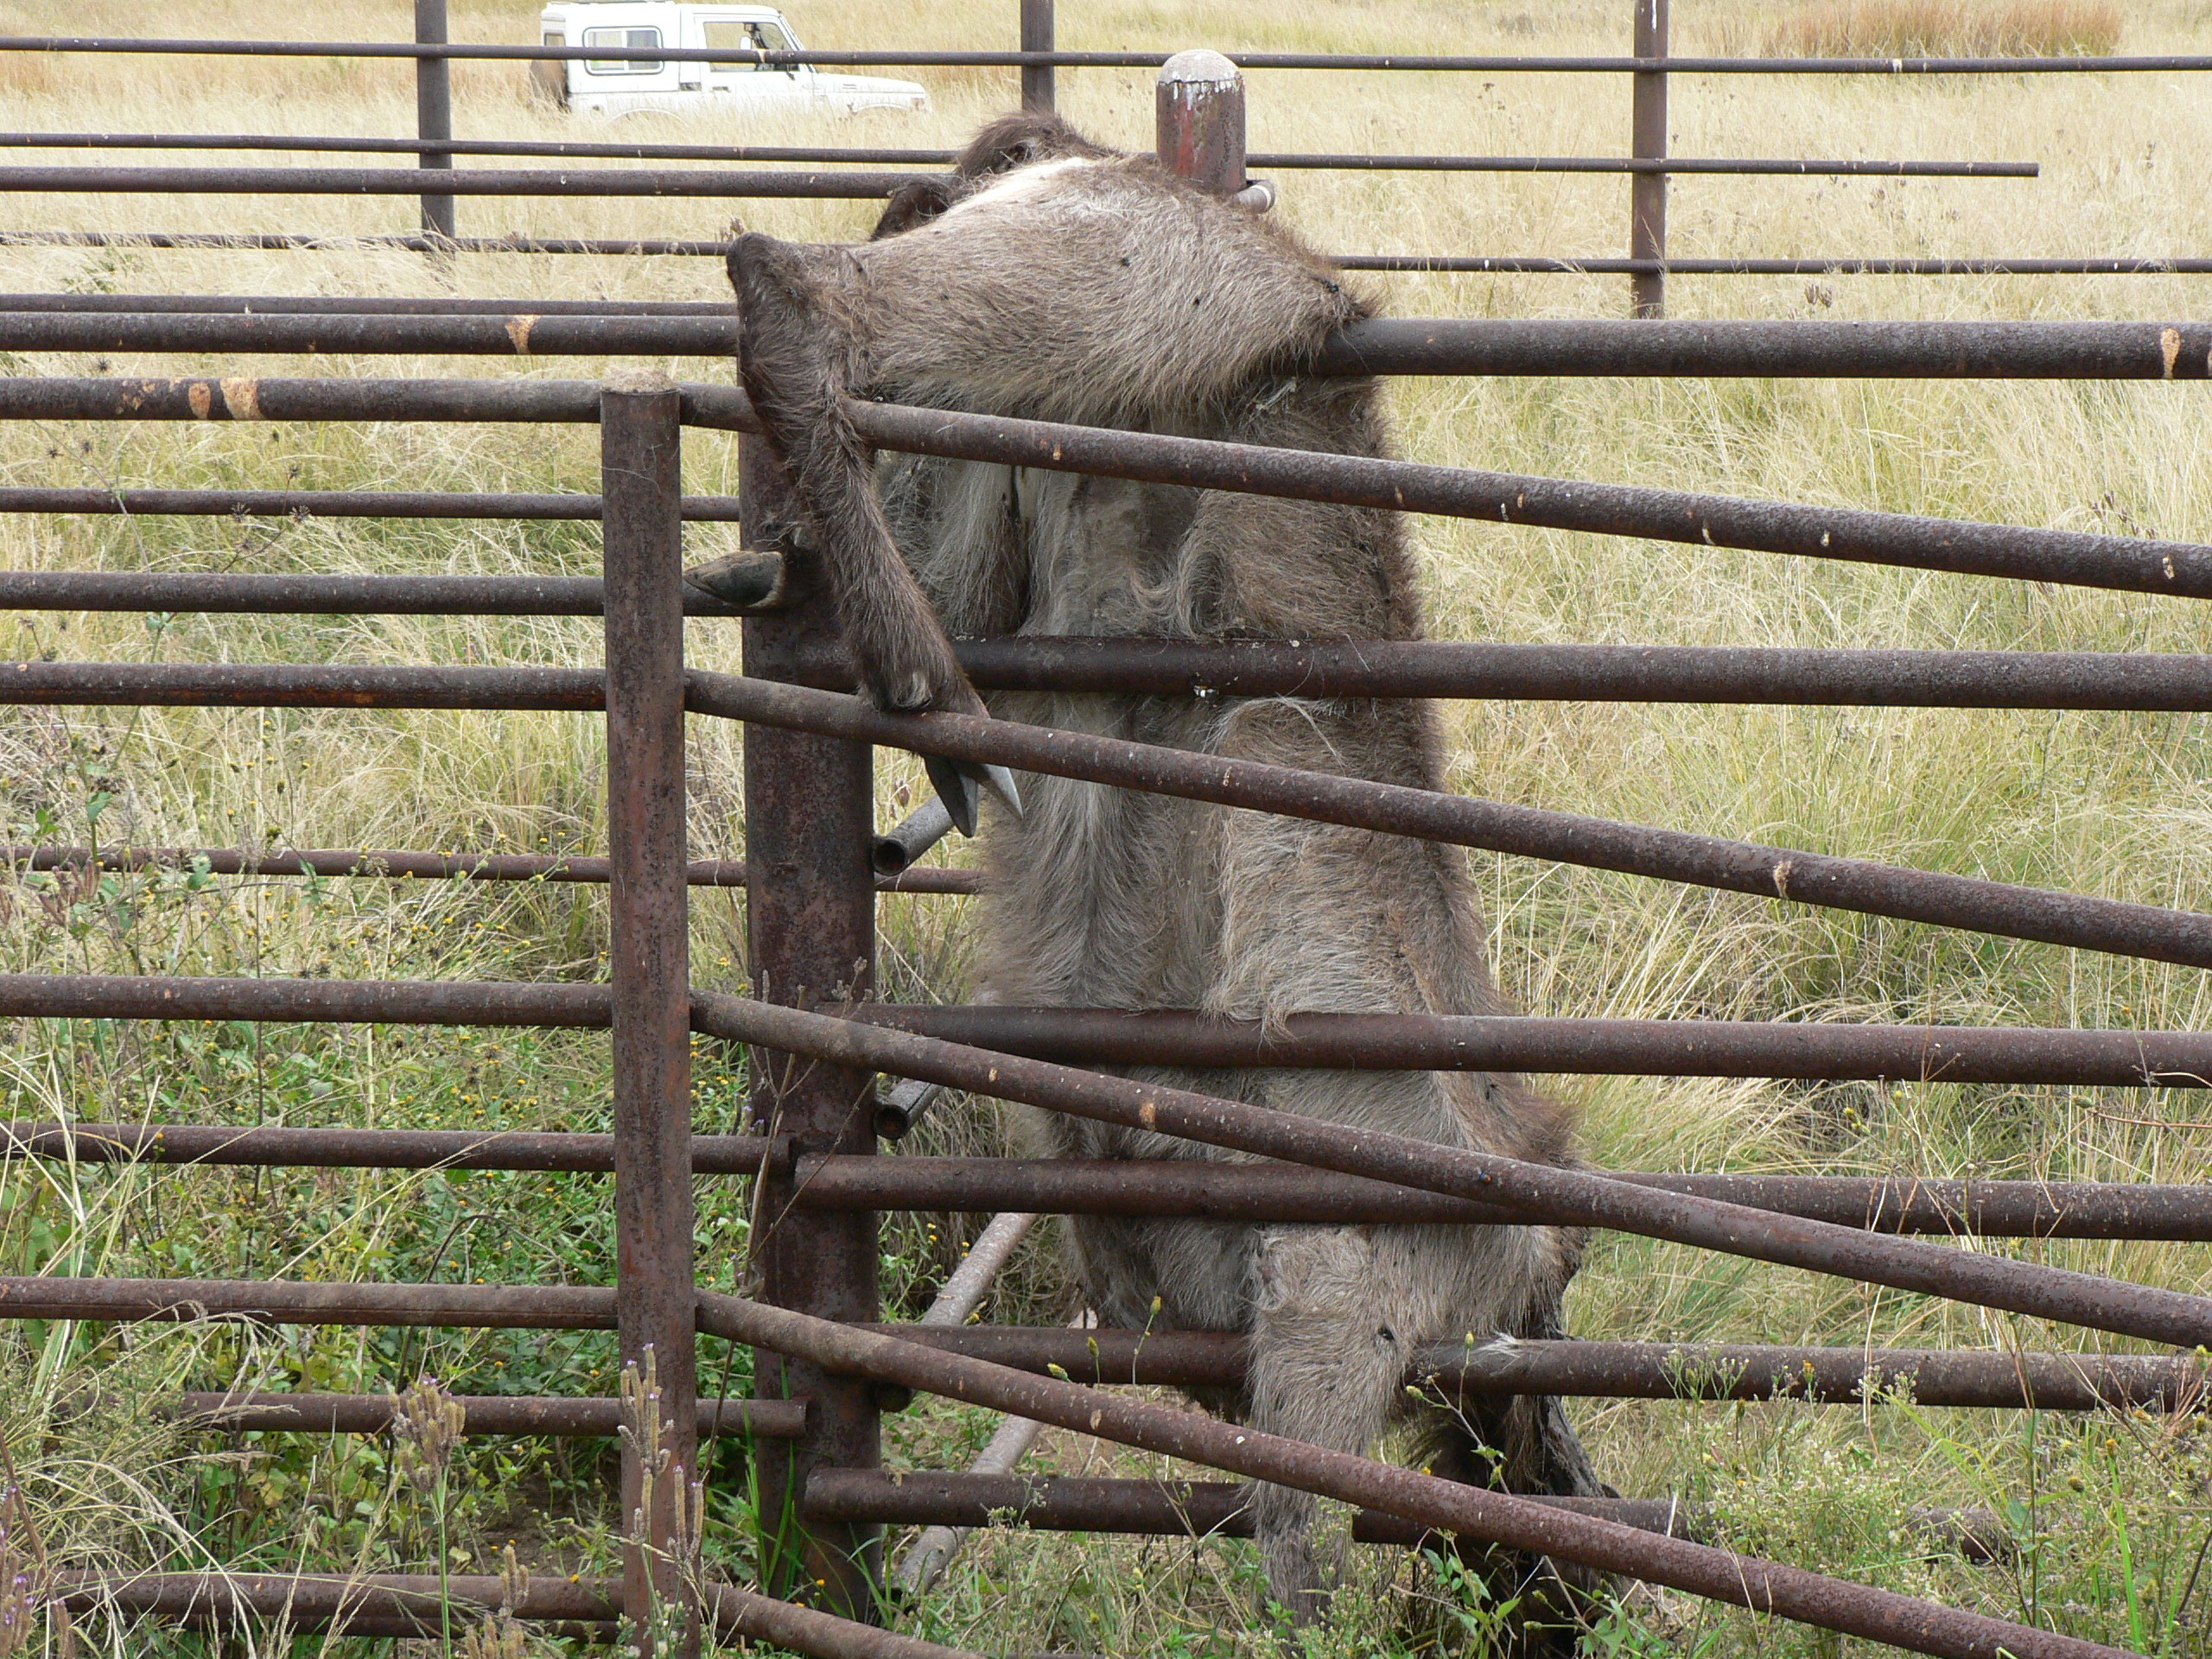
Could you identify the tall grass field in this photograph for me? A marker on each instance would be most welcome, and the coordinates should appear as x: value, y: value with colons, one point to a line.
x: 2112, y: 1514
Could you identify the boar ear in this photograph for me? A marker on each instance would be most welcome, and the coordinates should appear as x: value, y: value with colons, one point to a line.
x: 793, y: 343
x: 915, y: 202
x: 1023, y: 137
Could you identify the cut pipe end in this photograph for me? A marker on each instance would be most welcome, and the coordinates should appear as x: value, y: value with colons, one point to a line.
x: 1198, y: 67
x: 897, y: 849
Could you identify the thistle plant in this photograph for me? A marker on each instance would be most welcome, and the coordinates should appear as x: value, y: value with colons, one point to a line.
x: 22, y: 1577
x: 426, y: 1428
x: 497, y: 1637
x: 19, y: 1597
x: 501, y: 1636
x: 643, y: 1432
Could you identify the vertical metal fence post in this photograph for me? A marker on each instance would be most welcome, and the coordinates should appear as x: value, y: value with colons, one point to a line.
x: 434, y: 108
x: 810, y: 828
x: 1037, y: 92
x: 1647, y: 213
x: 1200, y: 106
x: 641, y: 437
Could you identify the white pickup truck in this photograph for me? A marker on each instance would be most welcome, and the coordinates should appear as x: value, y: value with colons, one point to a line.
x: 616, y: 87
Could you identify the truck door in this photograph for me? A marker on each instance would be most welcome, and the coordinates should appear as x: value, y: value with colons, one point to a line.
x: 618, y: 85
x: 754, y: 87
x: 548, y: 77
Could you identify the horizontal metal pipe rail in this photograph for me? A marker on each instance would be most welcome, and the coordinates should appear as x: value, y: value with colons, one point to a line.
x: 264, y: 1145
x: 355, y: 305
x: 1665, y: 1048
x: 1448, y: 1505
x: 1537, y: 264
x: 1436, y: 668
x: 525, y: 333
x: 1189, y: 1509
x: 325, y: 1001
x: 592, y: 869
x: 1271, y: 1192
x: 1286, y: 160
x: 482, y: 1413
x: 1415, y: 62
x: 277, y: 241
x: 1192, y: 1187
x: 361, y: 144
x: 377, y: 1604
x: 2104, y: 924
x: 1541, y: 1192
x: 460, y: 181
x: 1746, y: 674
x: 217, y: 592
x: 417, y: 1604
x: 307, y: 686
x: 1109, y: 1036
x: 744, y: 585
x: 1389, y: 1042
x: 1163, y: 667
x: 1726, y: 165
x: 514, y: 1308
x: 2069, y: 557
x: 1651, y: 347
x: 1388, y: 668
x: 268, y: 398
x: 1993, y: 1379
x: 1550, y: 264
x: 1177, y: 1509
x: 590, y: 1633
x: 1645, y: 349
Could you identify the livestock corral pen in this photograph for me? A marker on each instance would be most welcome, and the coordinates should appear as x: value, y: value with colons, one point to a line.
x: 297, y: 1131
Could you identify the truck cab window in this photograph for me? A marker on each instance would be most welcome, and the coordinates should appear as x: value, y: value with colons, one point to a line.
x: 761, y: 36
x: 631, y: 37
x: 730, y: 32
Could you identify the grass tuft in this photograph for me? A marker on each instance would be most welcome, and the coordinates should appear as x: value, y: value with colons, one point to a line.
x: 1945, y: 28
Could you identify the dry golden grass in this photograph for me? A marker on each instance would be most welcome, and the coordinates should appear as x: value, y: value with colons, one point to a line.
x: 1945, y: 28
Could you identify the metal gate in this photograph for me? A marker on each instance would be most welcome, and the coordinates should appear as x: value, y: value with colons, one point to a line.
x: 822, y: 1362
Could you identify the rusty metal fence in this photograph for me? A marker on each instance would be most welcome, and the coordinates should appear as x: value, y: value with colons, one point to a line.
x: 813, y: 866
x: 1649, y: 165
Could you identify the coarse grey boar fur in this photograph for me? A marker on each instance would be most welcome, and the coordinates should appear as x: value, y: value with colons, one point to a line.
x: 1050, y: 278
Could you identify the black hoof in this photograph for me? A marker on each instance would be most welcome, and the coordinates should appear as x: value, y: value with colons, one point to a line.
x: 960, y: 785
